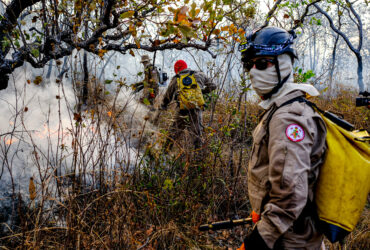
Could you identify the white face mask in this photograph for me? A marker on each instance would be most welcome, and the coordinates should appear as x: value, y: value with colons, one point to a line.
x: 263, y: 81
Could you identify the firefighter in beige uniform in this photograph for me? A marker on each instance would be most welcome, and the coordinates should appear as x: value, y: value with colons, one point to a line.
x: 186, y: 118
x: 150, y: 84
x: 288, y: 148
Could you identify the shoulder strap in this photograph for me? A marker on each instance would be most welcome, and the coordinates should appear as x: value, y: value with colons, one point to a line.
x: 332, y: 117
x: 275, y: 108
x: 189, y: 73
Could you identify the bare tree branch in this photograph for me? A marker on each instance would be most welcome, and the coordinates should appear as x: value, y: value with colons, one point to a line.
x: 358, y: 24
x: 271, y: 13
x: 357, y: 51
x: 299, y: 22
x: 178, y: 46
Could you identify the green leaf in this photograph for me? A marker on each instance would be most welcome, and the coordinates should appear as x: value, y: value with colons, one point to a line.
x: 35, y: 52
x: 168, y: 184
x: 108, y: 81
x: 186, y: 31
x: 16, y: 43
x: 246, y: 89
x: 127, y: 14
x: 146, y: 101
x: 6, y: 43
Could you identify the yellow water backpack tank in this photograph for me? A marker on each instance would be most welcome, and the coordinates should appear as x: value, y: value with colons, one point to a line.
x: 344, y: 180
x: 190, y: 94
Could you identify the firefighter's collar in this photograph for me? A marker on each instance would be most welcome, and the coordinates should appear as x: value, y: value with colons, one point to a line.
x: 289, y: 87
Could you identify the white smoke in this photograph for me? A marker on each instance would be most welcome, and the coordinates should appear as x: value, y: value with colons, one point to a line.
x: 40, y: 135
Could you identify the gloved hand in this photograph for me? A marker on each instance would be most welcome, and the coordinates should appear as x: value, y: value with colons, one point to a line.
x: 254, y: 241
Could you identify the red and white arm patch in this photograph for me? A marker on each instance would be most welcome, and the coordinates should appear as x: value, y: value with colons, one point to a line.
x: 294, y: 132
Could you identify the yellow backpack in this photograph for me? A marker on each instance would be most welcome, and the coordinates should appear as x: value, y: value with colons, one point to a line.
x: 190, y: 95
x: 344, y: 179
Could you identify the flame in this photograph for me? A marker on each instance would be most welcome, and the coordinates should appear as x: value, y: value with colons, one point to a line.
x: 10, y: 141
x: 46, y: 132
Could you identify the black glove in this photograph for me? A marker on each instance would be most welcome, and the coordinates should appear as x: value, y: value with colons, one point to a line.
x: 254, y: 241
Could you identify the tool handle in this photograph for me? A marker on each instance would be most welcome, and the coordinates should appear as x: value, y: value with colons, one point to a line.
x: 225, y: 224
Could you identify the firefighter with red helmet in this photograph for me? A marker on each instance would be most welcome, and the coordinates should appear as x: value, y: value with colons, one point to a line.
x: 187, y: 88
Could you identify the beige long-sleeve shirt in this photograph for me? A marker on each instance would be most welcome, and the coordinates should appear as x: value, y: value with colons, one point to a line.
x: 283, y: 170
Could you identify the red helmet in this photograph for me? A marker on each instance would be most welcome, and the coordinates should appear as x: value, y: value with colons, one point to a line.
x: 180, y: 65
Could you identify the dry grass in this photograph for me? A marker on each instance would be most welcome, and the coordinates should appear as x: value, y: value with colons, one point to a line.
x: 156, y: 200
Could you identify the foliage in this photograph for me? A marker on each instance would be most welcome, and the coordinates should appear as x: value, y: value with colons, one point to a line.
x: 36, y: 31
x: 302, y: 77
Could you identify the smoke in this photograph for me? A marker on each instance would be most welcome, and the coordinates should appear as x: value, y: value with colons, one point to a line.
x: 47, y: 135
x: 43, y: 136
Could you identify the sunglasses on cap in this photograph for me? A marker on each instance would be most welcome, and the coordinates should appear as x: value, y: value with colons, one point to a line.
x: 261, y: 64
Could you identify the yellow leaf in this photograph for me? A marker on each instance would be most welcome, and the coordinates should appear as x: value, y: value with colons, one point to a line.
x: 38, y: 80
x: 185, y: 22
x: 102, y: 52
x: 137, y: 42
x: 132, y: 29
x: 92, y: 6
x: 181, y: 14
x: 32, y: 189
x: 232, y: 28
x: 132, y: 53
